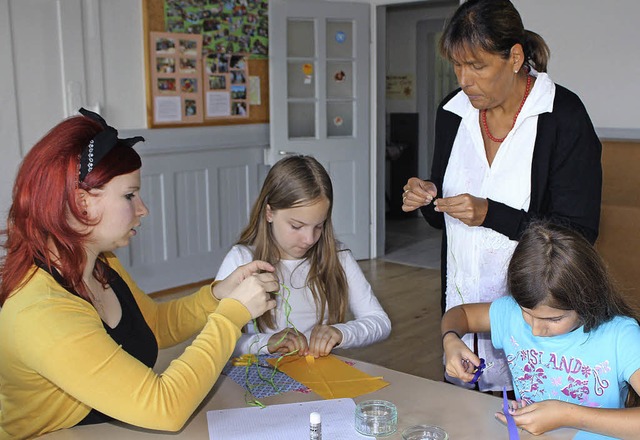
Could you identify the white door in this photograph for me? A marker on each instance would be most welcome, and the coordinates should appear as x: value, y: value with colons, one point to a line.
x: 319, y: 94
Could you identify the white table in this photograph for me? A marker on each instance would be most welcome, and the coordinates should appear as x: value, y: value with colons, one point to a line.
x: 462, y: 413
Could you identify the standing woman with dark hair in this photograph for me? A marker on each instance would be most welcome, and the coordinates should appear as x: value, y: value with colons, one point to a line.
x: 79, y: 338
x: 510, y: 146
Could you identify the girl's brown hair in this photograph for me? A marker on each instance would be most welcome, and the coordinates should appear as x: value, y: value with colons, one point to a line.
x: 557, y: 267
x: 293, y: 182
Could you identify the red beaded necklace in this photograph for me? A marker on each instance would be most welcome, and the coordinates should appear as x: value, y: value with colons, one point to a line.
x: 483, y: 114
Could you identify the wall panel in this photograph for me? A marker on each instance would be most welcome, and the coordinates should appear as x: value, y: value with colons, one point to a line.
x: 198, y: 201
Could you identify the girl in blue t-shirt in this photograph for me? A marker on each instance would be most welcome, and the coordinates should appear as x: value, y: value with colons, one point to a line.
x: 571, y: 341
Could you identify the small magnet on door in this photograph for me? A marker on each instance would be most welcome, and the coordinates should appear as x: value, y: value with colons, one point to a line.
x: 307, y: 69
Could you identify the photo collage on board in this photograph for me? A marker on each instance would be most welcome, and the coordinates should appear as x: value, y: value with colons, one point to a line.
x: 176, y: 75
x: 226, y: 78
x: 233, y: 31
x: 211, y: 82
x: 227, y: 26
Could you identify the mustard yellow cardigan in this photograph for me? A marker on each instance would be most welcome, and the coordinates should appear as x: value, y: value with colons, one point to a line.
x: 57, y: 361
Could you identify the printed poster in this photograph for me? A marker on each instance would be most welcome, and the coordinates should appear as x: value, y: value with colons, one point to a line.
x: 400, y: 87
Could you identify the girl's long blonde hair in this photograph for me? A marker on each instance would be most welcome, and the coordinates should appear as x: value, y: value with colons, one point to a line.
x: 293, y: 182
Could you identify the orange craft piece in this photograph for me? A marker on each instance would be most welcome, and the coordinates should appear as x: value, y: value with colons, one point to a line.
x: 328, y: 376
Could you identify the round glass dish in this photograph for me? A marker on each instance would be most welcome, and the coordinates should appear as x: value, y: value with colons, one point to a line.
x: 376, y: 418
x: 423, y: 432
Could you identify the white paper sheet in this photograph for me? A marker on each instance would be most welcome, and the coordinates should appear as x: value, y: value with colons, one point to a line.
x: 288, y: 421
x: 218, y: 104
x: 167, y: 109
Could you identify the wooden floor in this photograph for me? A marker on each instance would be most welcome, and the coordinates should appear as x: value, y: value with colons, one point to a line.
x: 411, y: 297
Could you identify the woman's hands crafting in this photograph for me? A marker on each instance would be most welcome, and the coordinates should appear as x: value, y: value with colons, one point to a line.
x: 417, y: 193
x: 250, y: 284
x: 322, y: 340
x: 469, y: 209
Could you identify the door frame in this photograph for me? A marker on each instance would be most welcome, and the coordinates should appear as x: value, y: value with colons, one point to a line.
x: 378, y: 117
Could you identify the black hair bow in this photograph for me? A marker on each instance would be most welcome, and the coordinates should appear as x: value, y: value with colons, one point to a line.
x: 101, y: 144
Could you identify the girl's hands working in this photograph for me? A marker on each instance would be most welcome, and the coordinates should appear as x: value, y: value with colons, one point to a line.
x: 323, y: 339
x: 548, y: 415
x: 250, y: 287
x: 539, y: 417
x: 286, y: 341
x: 460, y: 361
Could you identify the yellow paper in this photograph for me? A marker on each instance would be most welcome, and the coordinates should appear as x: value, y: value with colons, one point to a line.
x: 328, y: 376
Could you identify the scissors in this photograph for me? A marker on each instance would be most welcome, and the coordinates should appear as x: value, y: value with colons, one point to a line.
x: 478, y: 371
x: 246, y: 360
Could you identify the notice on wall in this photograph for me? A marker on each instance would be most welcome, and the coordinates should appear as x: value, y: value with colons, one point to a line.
x: 400, y: 87
x: 254, y: 90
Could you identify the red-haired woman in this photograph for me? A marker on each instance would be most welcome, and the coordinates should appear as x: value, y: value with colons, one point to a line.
x: 79, y: 338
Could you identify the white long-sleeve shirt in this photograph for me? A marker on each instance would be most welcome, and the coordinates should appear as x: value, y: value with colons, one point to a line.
x: 370, y: 322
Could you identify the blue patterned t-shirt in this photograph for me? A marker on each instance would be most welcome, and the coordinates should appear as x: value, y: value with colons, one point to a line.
x: 589, y: 369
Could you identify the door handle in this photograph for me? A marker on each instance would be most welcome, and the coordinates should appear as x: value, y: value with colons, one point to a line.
x: 287, y: 153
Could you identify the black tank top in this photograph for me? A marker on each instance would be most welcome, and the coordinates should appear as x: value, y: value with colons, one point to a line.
x: 132, y: 332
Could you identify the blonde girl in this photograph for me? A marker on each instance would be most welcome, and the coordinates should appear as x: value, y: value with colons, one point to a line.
x: 290, y: 227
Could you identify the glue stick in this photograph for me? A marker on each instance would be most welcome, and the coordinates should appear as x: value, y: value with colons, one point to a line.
x: 315, y: 426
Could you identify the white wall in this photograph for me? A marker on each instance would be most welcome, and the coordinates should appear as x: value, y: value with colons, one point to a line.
x: 60, y: 55
x: 401, y: 50
x: 594, y: 47
x: 123, y: 63
x: 10, y: 144
x: 594, y: 52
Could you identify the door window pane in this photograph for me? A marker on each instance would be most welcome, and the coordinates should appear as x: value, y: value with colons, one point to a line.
x: 340, y: 118
x: 339, y: 79
x: 301, y: 81
x: 339, y: 39
x: 302, y: 119
x: 301, y: 38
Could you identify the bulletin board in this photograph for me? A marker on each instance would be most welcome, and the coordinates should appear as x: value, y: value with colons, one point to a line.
x: 193, y: 80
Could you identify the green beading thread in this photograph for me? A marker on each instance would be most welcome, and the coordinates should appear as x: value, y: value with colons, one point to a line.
x: 250, y: 399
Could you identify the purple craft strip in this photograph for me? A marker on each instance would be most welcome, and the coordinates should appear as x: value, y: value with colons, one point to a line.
x: 511, y: 424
